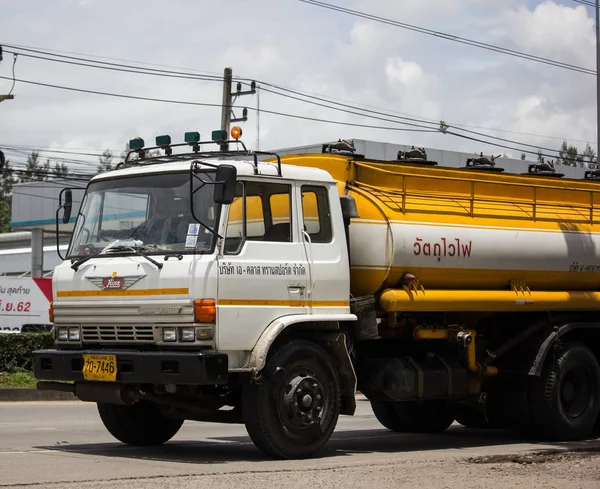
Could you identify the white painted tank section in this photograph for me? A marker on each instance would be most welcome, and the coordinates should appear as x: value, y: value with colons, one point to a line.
x: 377, y: 246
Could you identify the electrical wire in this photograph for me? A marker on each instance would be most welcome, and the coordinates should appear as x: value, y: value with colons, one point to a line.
x: 584, y: 2
x: 118, y: 67
x: 113, y: 66
x: 283, y: 114
x: 450, y: 37
x: 204, y: 104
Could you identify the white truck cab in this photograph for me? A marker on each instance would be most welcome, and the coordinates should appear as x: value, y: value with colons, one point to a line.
x: 181, y: 273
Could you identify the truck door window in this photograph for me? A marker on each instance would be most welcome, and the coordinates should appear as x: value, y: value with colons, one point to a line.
x: 261, y: 211
x: 316, y: 213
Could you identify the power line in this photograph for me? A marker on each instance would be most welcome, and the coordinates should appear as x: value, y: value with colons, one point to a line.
x: 52, y: 51
x: 112, y: 66
x: 184, y: 102
x: 450, y: 37
x: 295, y: 116
x: 117, y: 67
x: 191, y: 76
x: 426, y: 128
x: 41, y: 157
x: 283, y: 114
x: 56, y: 151
x: 584, y: 2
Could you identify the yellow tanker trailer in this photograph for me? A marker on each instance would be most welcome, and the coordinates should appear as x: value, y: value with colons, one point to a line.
x: 504, y: 268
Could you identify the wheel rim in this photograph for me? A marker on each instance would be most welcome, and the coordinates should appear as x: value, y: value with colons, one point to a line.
x: 302, y: 401
x: 576, y: 392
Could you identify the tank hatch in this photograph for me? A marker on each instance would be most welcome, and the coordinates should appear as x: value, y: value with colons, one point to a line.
x: 543, y: 169
x: 342, y: 147
x: 592, y: 175
x: 415, y: 155
x: 483, y: 163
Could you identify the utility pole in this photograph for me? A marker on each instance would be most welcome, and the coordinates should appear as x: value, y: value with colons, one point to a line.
x: 227, y: 106
x: 257, y: 119
x: 597, y: 82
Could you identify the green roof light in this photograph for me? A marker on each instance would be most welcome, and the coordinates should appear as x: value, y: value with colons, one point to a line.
x: 219, y: 135
x: 164, y: 140
x: 136, y: 144
x: 192, y: 137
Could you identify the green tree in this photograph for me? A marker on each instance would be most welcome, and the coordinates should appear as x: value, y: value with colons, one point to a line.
x: 7, y: 180
x: 589, y: 157
x: 106, y: 163
x: 35, y: 171
x: 60, y: 170
x: 568, y: 155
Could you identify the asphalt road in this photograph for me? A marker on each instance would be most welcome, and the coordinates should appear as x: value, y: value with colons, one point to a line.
x: 63, y: 444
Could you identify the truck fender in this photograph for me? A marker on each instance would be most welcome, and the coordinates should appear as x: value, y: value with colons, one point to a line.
x: 333, y: 340
x: 545, y: 347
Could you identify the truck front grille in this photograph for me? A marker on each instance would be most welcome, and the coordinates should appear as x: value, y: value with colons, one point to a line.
x: 138, y: 334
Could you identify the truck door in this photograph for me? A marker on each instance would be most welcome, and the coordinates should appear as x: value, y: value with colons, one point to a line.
x: 325, y: 247
x: 263, y: 270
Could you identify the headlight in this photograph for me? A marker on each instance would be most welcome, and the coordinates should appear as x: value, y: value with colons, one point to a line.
x: 188, y: 334
x: 169, y: 334
x: 63, y: 334
x: 74, y: 334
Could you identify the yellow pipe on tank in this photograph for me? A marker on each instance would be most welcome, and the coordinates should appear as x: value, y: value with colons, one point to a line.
x: 399, y: 300
x: 471, y: 358
x: 421, y: 333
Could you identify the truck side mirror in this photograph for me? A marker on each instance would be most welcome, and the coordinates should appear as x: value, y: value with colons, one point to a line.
x: 225, y: 182
x: 67, y: 206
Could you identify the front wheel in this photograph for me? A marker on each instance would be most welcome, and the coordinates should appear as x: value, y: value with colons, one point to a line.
x: 140, y: 424
x: 291, y: 411
x: 565, y: 400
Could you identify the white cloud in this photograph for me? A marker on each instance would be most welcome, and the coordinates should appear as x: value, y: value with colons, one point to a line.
x: 560, y: 32
x: 303, y: 47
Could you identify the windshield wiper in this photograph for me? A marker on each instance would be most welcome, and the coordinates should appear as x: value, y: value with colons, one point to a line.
x: 115, y: 246
x: 77, y: 263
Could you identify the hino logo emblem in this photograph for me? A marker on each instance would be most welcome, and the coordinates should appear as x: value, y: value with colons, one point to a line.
x: 115, y: 283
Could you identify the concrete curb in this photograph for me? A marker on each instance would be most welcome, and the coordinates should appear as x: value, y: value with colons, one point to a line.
x: 31, y: 394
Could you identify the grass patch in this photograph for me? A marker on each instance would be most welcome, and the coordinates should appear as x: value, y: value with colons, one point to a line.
x: 18, y: 379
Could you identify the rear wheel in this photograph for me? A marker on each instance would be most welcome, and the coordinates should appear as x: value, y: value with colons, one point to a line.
x: 292, y: 411
x: 414, y: 417
x: 140, y: 424
x: 565, y: 400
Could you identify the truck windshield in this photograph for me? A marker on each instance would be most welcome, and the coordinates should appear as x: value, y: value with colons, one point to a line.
x: 152, y: 212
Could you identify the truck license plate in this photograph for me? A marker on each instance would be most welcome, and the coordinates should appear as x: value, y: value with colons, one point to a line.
x: 100, y: 367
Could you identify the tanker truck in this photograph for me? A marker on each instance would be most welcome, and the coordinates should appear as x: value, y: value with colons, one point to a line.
x: 237, y: 286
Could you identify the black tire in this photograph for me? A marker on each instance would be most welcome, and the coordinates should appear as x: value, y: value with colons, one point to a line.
x: 565, y: 400
x: 276, y: 419
x: 140, y: 424
x: 414, y: 417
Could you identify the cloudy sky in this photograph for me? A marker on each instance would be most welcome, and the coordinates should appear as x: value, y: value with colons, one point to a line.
x: 290, y: 44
